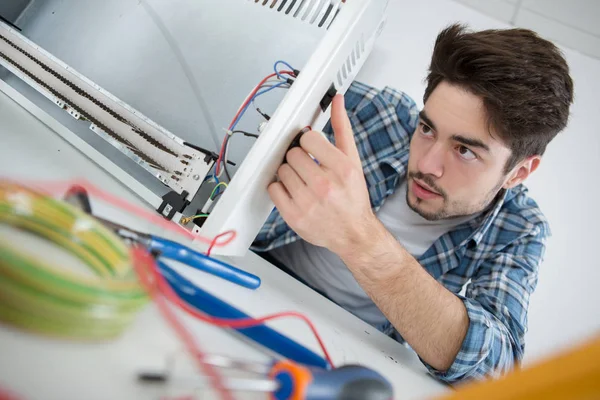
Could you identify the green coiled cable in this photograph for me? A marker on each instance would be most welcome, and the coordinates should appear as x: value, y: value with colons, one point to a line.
x: 38, y: 296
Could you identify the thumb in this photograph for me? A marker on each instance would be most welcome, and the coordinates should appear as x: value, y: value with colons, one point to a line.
x: 342, y: 129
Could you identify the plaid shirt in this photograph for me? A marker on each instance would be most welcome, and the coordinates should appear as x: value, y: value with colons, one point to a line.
x: 496, y: 255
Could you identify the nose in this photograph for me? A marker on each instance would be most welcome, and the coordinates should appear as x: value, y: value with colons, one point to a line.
x: 432, y: 161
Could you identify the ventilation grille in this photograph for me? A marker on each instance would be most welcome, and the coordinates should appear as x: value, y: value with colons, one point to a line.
x: 316, y: 12
x: 345, y: 72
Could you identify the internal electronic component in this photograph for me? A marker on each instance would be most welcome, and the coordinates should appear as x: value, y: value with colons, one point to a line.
x: 152, y: 147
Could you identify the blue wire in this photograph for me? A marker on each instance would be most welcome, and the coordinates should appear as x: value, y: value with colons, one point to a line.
x: 267, y: 90
x: 250, y: 102
x: 284, y: 63
x: 217, y: 182
x: 208, y: 177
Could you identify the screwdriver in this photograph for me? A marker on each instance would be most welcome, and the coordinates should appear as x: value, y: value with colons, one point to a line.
x: 287, y: 380
x: 349, y: 382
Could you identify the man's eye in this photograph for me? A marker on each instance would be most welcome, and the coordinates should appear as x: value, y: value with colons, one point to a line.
x: 466, y: 154
x: 425, y: 129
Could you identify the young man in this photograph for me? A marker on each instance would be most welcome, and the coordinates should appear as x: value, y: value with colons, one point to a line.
x: 408, y: 207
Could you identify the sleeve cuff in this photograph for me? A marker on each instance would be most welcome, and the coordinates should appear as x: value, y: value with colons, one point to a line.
x: 486, y: 350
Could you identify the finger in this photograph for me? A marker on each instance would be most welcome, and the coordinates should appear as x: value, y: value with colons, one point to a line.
x: 283, y: 201
x: 342, y: 129
x: 319, y: 147
x: 307, y: 169
x: 295, y: 186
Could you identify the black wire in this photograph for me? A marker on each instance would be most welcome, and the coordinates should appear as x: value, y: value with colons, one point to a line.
x: 226, y: 173
x: 198, y: 148
x: 258, y: 110
x: 254, y: 135
x: 227, y: 144
x: 225, y: 163
x: 264, y: 115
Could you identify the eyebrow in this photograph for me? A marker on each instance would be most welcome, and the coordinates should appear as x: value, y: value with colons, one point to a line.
x: 457, y: 138
x: 471, y: 142
x: 426, y: 119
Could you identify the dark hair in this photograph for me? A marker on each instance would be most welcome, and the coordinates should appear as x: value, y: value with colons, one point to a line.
x: 523, y: 80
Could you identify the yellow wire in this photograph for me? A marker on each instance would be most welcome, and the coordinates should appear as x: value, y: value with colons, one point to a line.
x: 192, y: 217
x: 215, y: 189
x: 39, y: 296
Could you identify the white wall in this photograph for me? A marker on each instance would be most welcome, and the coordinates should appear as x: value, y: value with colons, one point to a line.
x: 573, y: 23
x: 564, y: 309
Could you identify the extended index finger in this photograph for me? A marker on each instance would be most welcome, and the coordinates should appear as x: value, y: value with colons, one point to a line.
x: 342, y: 129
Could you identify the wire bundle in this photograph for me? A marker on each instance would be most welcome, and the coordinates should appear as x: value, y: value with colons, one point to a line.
x: 266, y: 84
x: 38, y: 296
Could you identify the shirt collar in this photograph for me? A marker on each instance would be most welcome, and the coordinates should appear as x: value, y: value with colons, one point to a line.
x: 491, y: 217
x: 482, y: 223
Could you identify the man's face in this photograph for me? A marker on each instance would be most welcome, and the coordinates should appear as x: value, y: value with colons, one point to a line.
x: 456, y: 167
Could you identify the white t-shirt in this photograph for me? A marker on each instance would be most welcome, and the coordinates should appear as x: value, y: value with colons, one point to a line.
x: 326, y: 272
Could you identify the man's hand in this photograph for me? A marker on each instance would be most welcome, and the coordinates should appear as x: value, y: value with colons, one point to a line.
x: 327, y: 203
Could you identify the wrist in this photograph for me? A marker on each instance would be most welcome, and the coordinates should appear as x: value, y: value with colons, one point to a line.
x: 374, y: 253
x: 369, y: 234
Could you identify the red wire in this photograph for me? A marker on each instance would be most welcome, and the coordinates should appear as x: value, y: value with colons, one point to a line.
x: 239, y: 323
x: 215, y: 240
x: 256, y: 89
x: 146, y: 269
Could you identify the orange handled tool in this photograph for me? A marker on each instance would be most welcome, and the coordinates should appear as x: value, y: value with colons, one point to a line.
x: 349, y: 382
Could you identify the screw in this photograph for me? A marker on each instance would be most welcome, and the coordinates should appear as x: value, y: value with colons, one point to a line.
x: 196, y: 177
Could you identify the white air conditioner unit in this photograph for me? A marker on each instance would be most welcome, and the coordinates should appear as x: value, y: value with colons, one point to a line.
x: 150, y: 78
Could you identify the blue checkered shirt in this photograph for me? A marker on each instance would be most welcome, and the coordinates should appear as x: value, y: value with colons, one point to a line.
x: 496, y: 255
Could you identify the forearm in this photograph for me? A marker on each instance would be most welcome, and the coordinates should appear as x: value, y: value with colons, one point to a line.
x: 429, y: 317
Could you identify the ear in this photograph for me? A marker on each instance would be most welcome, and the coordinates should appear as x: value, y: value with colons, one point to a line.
x: 522, y: 171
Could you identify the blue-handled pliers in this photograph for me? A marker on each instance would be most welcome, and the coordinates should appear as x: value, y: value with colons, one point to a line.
x: 165, y: 248
x: 168, y: 249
